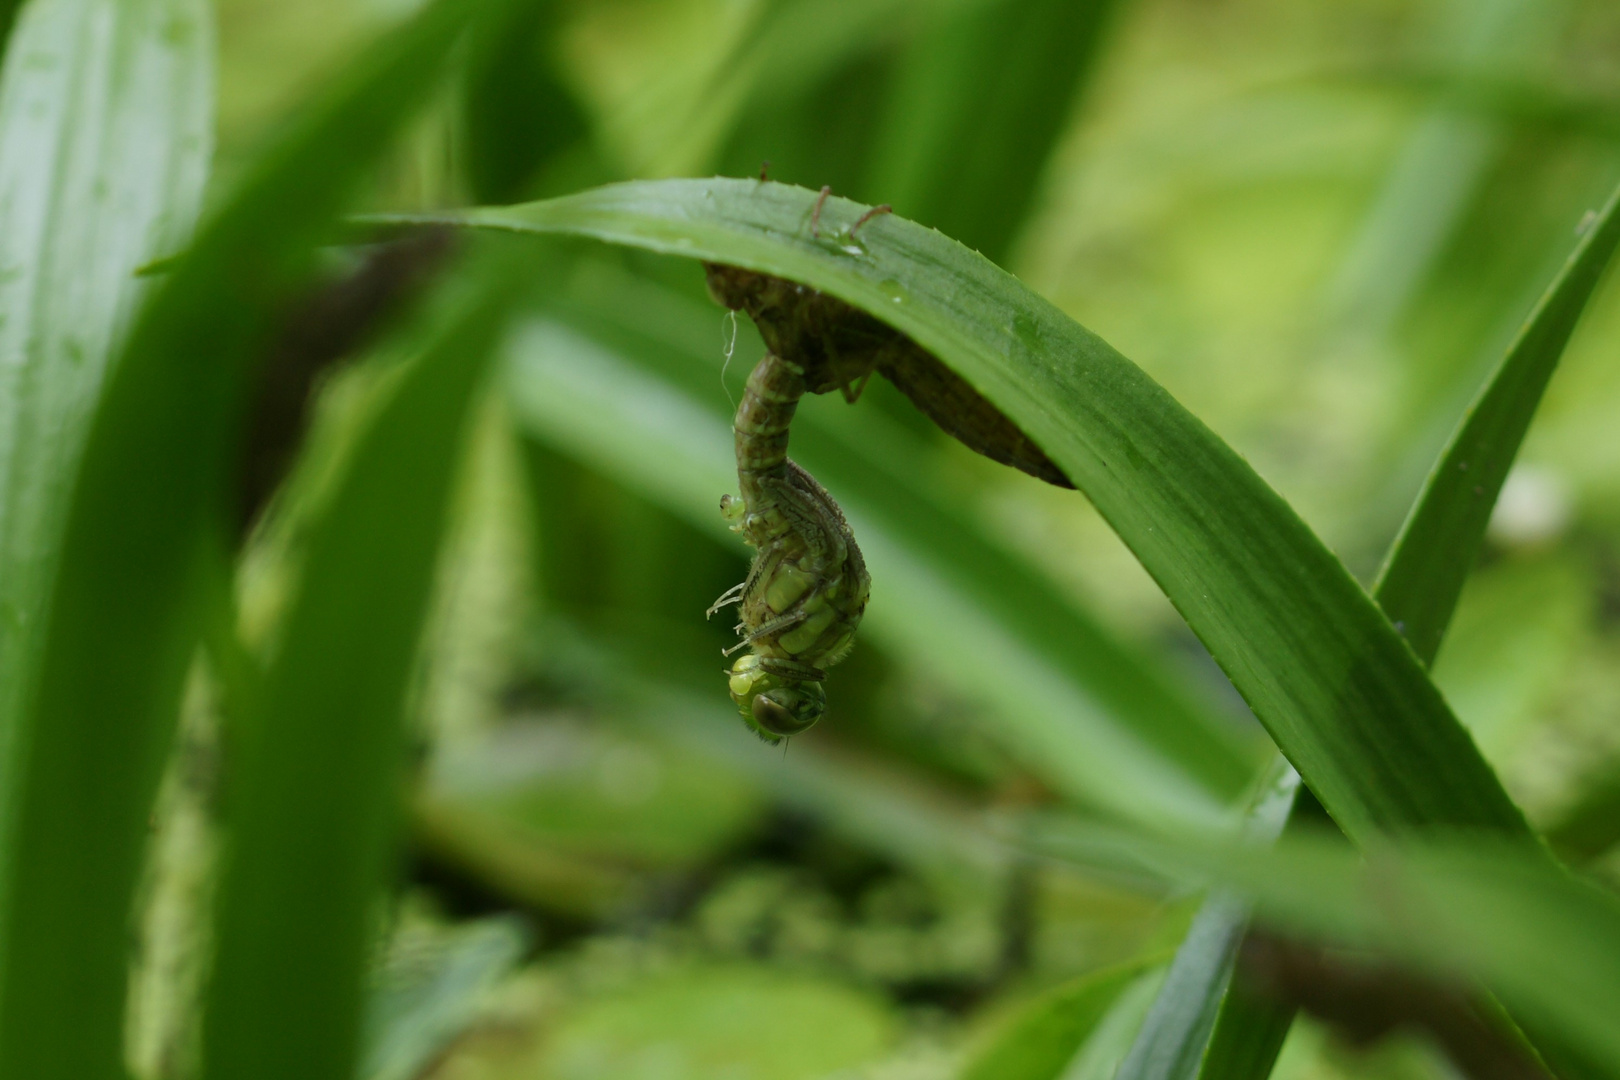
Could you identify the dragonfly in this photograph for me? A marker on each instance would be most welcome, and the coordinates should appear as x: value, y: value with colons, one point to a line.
x: 808, y: 586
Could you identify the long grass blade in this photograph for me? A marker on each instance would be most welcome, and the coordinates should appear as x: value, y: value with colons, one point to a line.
x: 105, y: 131
x: 125, y: 609
x: 1041, y: 1040
x: 318, y: 785
x: 8, y: 20
x: 968, y: 133
x: 1173, y: 1036
x: 104, y: 142
x: 1431, y: 558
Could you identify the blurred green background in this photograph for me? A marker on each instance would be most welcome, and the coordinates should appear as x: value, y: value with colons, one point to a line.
x: 1317, y: 225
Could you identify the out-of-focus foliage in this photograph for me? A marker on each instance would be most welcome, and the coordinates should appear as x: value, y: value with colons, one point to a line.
x: 1319, y: 226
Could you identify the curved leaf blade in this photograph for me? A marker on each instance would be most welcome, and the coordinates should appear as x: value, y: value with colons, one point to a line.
x: 1338, y: 690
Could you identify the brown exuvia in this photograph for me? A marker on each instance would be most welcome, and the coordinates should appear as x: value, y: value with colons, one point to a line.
x: 838, y: 346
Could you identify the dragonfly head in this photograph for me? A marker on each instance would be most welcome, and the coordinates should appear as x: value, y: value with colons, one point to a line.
x: 775, y: 706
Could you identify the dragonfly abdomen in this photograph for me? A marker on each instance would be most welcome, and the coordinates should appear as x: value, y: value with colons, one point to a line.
x: 807, y: 588
x: 763, y: 419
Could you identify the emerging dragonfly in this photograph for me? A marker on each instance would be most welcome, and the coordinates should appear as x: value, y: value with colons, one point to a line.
x: 808, y: 586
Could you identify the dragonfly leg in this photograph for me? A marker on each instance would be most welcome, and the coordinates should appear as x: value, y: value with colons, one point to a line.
x: 852, y: 392
x: 815, y: 215
x: 731, y: 596
x: 771, y: 626
x: 885, y: 208
x: 791, y: 669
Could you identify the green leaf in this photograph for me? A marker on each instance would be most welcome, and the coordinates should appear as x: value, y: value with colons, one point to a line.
x: 428, y: 992
x: 8, y: 22
x: 518, y: 117
x: 125, y: 608
x: 317, y: 783
x: 1171, y: 1042
x: 674, y: 116
x: 1042, y: 1039
x: 105, y: 127
x: 105, y: 131
x: 968, y: 132
x: 1431, y: 558
x: 1081, y: 714
x: 1592, y: 826
x: 1249, y: 1034
x: 1101, y: 1055
x: 694, y: 1020
x: 1338, y: 690
x: 1426, y: 569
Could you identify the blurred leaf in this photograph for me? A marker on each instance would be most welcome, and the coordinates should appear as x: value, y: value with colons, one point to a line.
x: 1042, y: 1039
x: 697, y: 1023
x: 124, y: 614
x: 318, y: 777
x: 427, y: 992
x: 1518, y: 623
x: 1249, y: 1034
x: 980, y: 102
x: 823, y: 134
x: 517, y: 113
x: 1546, y: 943
x: 593, y: 795
x: 1334, y: 684
x: 939, y: 600
x: 515, y: 866
x: 1500, y: 95
x: 105, y: 126
x: 8, y: 20
x: 886, y: 810
x: 1430, y: 560
x: 1435, y: 176
x: 1592, y: 826
x: 733, y: 68
x: 1101, y: 1055
x: 1171, y: 1041
x: 105, y: 131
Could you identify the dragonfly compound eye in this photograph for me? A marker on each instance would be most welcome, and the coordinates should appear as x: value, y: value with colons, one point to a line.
x: 788, y: 710
x: 775, y: 706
